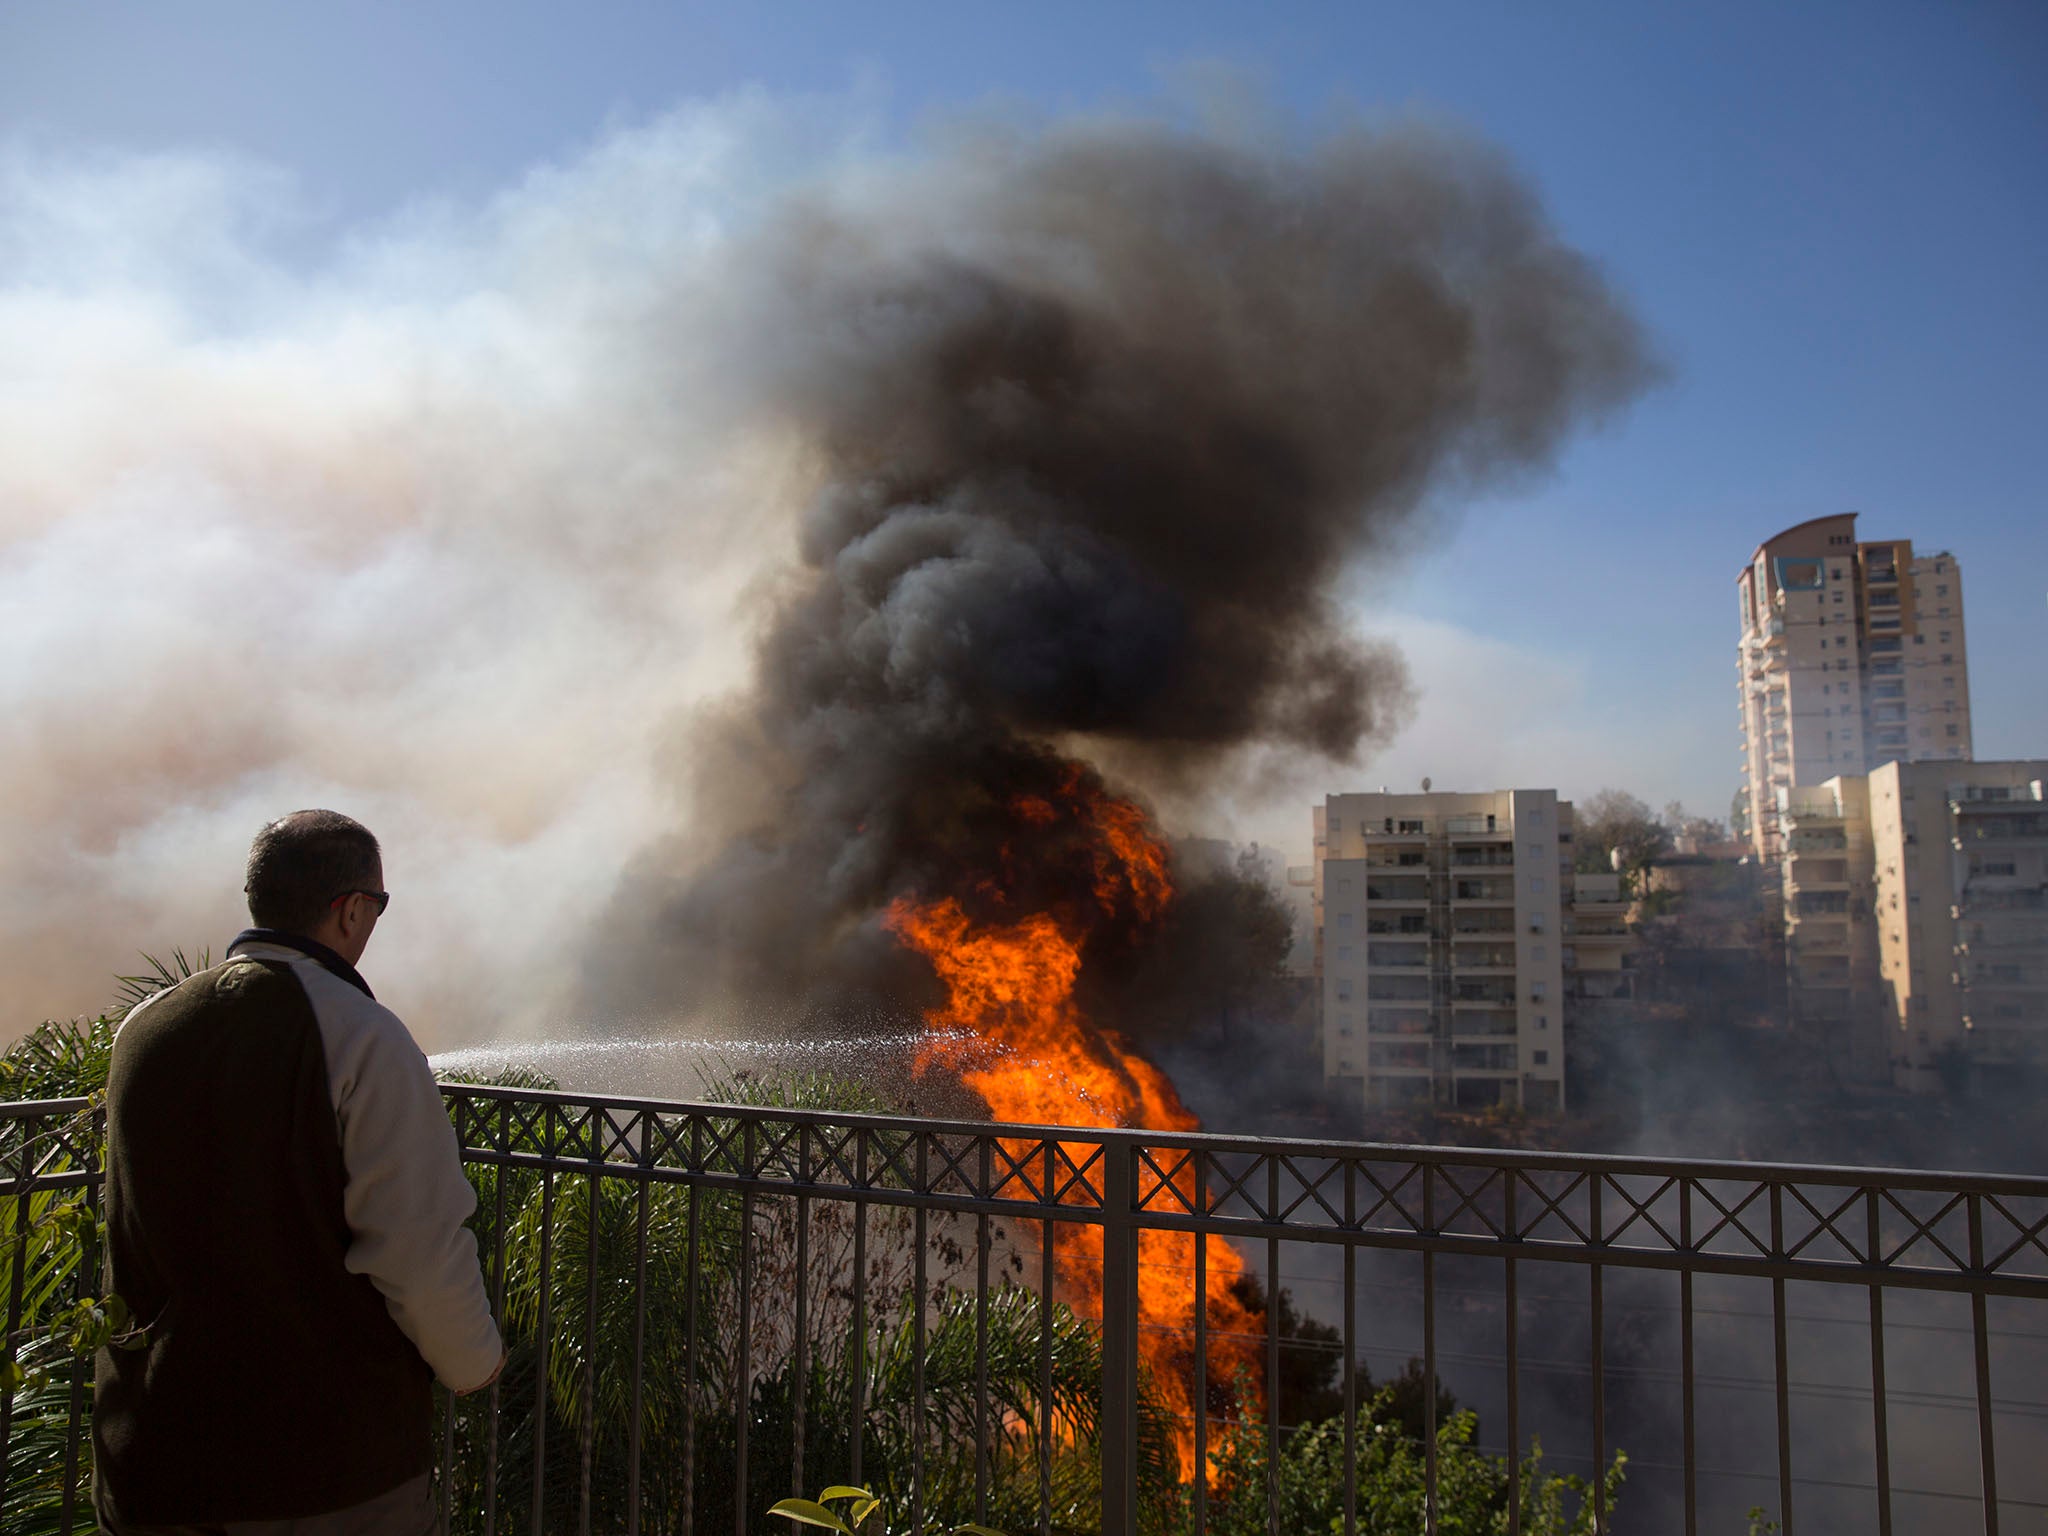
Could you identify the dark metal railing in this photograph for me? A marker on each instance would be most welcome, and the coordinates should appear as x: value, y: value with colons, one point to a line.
x: 715, y: 1306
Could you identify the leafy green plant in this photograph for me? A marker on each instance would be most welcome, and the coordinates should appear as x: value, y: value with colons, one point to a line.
x: 862, y: 1505
x: 1391, y: 1480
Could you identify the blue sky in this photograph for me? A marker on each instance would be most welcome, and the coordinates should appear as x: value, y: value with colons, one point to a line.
x: 1831, y: 217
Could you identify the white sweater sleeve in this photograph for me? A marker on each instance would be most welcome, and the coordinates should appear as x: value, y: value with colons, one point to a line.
x: 406, y: 1197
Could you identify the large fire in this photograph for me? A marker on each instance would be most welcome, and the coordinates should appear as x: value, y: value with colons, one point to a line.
x: 1010, y: 985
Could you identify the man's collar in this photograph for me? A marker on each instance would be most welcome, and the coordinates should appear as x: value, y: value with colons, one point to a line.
x: 312, y: 949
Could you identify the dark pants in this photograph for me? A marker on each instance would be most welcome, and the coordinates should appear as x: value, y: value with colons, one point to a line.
x: 407, y: 1510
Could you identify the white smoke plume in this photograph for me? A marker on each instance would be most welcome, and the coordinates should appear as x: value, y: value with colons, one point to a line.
x: 437, y: 522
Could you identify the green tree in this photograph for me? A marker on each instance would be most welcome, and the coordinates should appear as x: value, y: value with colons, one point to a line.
x: 1614, y: 830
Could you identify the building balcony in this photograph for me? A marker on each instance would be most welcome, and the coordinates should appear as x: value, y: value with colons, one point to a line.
x: 1489, y: 1002
x: 1979, y: 900
x: 2000, y: 976
x: 1816, y: 846
x: 1471, y: 921
x: 1822, y: 942
x: 1805, y: 923
x: 1394, y: 893
x: 1820, y: 880
x: 1493, y: 892
x: 1466, y: 828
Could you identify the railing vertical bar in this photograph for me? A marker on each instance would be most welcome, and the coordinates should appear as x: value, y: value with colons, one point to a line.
x: 1511, y: 1307
x: 18, y: 1272
x: 444, y: 1490
x: 1981, y: 1333
x: 919, y: 1231
x: 1430, y: 1513
x: 1686, y: 1389
x: 642, y: 1196
x: 87, y: 1281
x: 1271, y: 1213
x: 1880, y: 1413
x: 743, y: 1381
x: 981, y: 1446
x: 502, y: 1133
x: 857, y: 1430
x: 1201, y: 1372
x: 692, y: 1266
x: 1879, y: 1404
x: 982, y: 1450
x: 984, y: 1176
x: 546, y: 1274
x: 1781, y: 1364
x: 799, y: 1344
x: 587, y: 1452
x: 1119, y: 1338
x: 1045, y: 1268
x: 1597, y: 1295
x: 1350, y: 1349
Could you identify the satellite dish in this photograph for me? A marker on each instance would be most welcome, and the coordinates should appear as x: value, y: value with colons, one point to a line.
x: 1425, y: 784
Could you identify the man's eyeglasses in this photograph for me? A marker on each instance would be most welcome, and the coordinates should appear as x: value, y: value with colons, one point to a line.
x: 382, y: 898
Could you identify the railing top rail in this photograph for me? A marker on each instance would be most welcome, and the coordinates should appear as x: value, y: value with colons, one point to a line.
x: 1609, y: 1165
x: 39, y: 1109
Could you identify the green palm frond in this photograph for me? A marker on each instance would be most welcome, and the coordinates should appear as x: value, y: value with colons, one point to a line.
x: 133, y: 991
x: 59, y: 1059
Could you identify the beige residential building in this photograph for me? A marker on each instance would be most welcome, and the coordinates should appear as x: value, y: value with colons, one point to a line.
x: 1444, y: 953
x: 1825, y: 867
x: 1851, y: 656
x: 1961, y: 909
x: 1916, y: 900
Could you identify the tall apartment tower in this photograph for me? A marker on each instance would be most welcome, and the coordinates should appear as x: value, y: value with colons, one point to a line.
x: 1444, y: 945
x: 1851, y: 656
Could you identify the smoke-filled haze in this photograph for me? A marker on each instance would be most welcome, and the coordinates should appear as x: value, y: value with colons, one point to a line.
x: 686, y: 506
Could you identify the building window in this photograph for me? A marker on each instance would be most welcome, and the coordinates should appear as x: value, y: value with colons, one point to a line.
x: 1537, y: 954
x: 1543, y: 1021
x: 1536, y: 991
x: 1953, y: 731
x: 1343, y: 919
x: 1941, y: 590
x: 1541, y: 1058
x: 1536, y: 885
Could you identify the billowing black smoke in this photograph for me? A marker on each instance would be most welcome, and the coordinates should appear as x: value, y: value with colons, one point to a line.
x: 1098, y: 420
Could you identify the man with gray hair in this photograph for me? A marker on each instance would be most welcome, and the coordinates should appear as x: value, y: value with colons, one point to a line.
x: 285, y: 1206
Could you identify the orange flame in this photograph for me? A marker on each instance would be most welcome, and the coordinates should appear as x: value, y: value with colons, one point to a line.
x: 1011, y: 985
